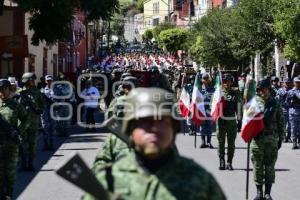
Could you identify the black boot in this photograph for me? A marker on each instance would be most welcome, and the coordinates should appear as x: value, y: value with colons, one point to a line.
x: 259, y: 195
x: 229, y: 166
x: 209, y: 142
x: 203, y: 143
x: 268, y: 192
x: 222, y: 164
x: 294, y: 144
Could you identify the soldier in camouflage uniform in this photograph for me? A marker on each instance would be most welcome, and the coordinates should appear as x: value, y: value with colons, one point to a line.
x: 14, y: 114
x: 153, y: 170
x: 281, y: 97
x: 265, y: 146
x: 34, y: 103
x: 227, y: 124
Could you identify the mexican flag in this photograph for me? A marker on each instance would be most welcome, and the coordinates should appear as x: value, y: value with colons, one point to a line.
x: 253, y: 112
x: 184, y: 103
x: 197, y: 106
x: 217, y: 99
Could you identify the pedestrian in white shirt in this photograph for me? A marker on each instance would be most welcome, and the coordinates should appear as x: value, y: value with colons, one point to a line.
x: 91, y: 97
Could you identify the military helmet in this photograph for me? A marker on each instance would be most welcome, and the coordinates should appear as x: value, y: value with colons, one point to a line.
x: 130, y: 79
x: 4, y: 83
x: 125, y: 75
x: 28, y: 76
x: 263, y: 83
x: 147, y: 102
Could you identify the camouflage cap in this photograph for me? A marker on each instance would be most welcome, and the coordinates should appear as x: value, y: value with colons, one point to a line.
x: 28, y: 76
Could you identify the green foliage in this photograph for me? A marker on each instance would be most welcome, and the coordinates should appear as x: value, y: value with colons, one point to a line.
x: 215, y: 43
x: 287, y: 27
x: 173, y: 40
x: 200, y: 55
x: 255, y: 20
x: 117, y: 25
x: 50, y: 19
x: 161, y: 27
x: 140, y: 5
x: 148, y: 34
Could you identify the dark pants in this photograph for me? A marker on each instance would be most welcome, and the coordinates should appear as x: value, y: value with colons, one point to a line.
x: 90, y: 115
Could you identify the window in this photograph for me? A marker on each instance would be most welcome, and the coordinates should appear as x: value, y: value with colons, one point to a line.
x: 155, y: 8
x: 155, y: 22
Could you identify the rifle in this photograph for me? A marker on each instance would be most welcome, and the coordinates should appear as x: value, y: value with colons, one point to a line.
x: 12, y: 133
x: 78, y: 173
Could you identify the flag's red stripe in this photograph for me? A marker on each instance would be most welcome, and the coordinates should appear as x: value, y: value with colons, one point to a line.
x: 218, y: 112
x: 253, y: 128
x: 183, y: 109
x: 197, y: 116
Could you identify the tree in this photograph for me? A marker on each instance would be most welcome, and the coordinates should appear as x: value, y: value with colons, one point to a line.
x: 287, y: 27
x: 140, y: 5
x: 161, y: 27
x: 173, y: 40
x: 50, y: 20
x: 148, y: 35
x: 201, y: 55
x: 214, y: 43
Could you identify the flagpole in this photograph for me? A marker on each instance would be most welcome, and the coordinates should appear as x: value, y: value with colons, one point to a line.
x: 247, y: 176
x: 195, y: 140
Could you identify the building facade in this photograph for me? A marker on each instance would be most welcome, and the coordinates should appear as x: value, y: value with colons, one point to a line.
x: 156, y: 12
x: 41, y: 59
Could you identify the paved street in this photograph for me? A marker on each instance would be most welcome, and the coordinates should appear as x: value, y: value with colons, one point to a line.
x: 46, y: 185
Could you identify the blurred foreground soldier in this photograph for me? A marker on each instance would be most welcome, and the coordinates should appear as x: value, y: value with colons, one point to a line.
x: 153, y: 170
x: 206, y: 127
x: 227, y: 124
x: 293, y: 103
x: 33, y: 101
x: 47, y: 121
x: 13, y: 118
x: 265, y: 146
x: 281, y: 97
x: 114, y: 148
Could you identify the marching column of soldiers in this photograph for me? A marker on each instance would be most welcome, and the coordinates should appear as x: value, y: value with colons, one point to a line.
x: 139, y: 159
